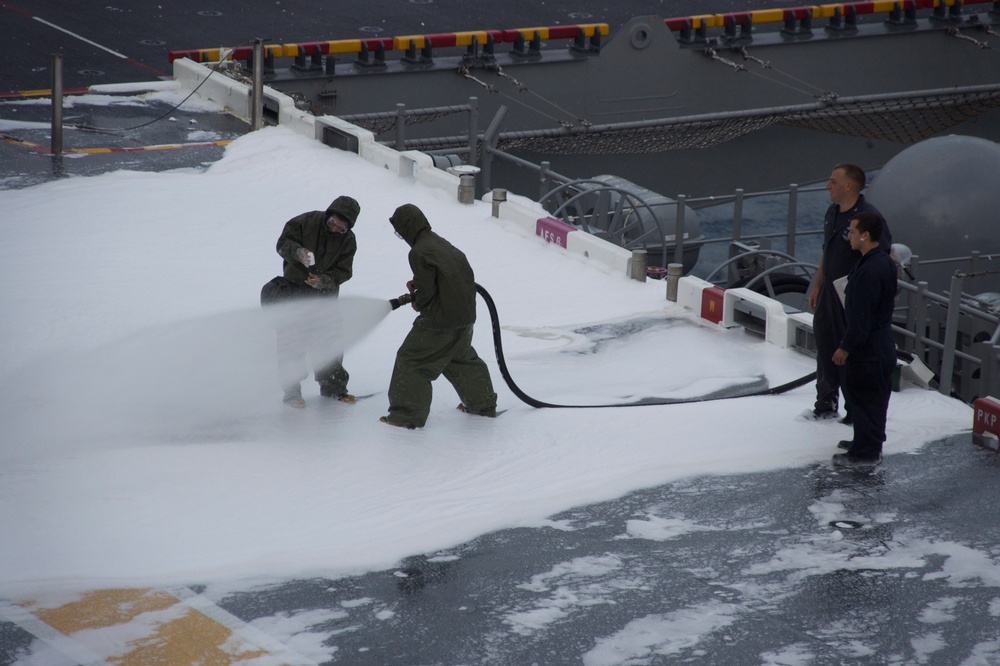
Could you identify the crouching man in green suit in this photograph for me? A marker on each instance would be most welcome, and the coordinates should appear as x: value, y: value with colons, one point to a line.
x: 440, y: 342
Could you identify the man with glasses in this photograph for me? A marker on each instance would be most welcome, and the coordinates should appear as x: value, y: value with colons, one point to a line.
x: 317, y: 249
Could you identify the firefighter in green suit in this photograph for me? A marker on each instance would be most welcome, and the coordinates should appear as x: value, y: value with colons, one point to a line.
x: 440, y: 343
x: 317, y: 249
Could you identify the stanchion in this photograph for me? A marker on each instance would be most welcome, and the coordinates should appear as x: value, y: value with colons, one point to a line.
x: 637, y: 265
x: 57, y: 103
x: 499, y: 197
x: 674, y: 273
x: 257, y: 96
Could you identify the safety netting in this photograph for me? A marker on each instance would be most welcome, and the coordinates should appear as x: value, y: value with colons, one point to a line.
x: 904, y: 120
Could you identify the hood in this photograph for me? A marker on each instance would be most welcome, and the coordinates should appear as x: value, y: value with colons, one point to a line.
x: 409, y: 222
x: 347, y: 208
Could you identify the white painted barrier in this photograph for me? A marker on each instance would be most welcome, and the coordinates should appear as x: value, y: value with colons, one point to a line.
x: 768, y: 311
x: 690, y: 292
x: 234, y: 97
x: 800, y: 324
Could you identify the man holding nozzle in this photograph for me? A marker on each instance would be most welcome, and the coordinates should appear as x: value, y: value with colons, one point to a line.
x: 443, y: 291
x: 318, y: 250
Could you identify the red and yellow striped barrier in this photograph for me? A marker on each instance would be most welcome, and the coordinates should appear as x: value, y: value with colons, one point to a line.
x: 401, y: 43
x: 557, y: 32
x: 588, y: 30
x: 446, y: 39
x: 332, y: 47
x: 759, y: 16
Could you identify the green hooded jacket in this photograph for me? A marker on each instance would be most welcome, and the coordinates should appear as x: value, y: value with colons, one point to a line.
x: 443, y: 281
x: 334, y: 252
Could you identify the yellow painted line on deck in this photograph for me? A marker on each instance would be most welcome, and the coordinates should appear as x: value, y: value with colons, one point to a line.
x: 143, y: 626
x: 41, y: 92
x: 115, y: 149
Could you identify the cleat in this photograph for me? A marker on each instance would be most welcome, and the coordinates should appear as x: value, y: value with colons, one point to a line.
x: 348, y: 398
x: 385, y: 420
x: 847, y: 460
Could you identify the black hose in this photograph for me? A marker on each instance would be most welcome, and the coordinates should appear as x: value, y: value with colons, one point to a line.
x: 527, y: 399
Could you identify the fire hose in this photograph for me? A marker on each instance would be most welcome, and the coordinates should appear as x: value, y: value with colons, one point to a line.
x: 527, y: 399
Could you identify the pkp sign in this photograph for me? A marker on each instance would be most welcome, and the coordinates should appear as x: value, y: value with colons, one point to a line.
x: 987, y: 416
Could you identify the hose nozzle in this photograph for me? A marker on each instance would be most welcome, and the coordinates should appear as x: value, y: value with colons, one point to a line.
x: 402, y: 300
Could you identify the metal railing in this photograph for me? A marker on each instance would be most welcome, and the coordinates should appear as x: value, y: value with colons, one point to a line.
x: 398, y: 120
x: 949, y: 333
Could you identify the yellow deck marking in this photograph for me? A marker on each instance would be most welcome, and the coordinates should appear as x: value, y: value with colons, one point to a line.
x: 141, y: 626
x: 102, y: 609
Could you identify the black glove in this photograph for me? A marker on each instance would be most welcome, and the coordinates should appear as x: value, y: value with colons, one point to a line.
x: 402, y: 300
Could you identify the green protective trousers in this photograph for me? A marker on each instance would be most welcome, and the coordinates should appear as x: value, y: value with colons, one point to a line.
x: 300, y: 348
x: 423, y: 357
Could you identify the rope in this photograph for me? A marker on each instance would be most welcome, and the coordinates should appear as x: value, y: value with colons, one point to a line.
x: 523, y: 88
x: 527, y: 399
x: 766, y: 64
x: 955, y: 32
x: 464, y: 71
x: 714, y: 55
x: 90, y: 128
x: 976, y: 274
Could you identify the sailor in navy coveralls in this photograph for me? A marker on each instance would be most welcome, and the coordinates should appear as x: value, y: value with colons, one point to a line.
x: 867, y: 351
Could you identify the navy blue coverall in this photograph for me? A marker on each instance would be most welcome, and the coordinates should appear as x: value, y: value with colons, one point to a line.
x: 869, y: 300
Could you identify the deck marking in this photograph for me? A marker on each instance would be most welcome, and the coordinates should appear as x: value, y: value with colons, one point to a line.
x: 45, y: 633
x: 41, y: 92
x: 103, y: 48
x: 81, y: 38
x: 177, y: 626
x: 24, y: 143
x: 239, y: 627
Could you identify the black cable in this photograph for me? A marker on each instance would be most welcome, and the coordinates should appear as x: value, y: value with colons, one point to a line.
x: 527, y: 399
x: 107, y: 130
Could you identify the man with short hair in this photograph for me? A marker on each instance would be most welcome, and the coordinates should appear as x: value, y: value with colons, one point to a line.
x: 845, y: 186
x: 867, y: 351
x: 318, y: 251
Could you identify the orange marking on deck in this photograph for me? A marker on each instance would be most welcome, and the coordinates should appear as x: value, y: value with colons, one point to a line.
x: 115, y: 149
x: 102, y: 609
x: 172, y: 632
x: 190, y: 639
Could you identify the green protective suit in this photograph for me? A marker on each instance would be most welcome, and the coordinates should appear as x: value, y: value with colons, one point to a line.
x: 334, y: 252
x: 440, y: 342
x: 334, y: 256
